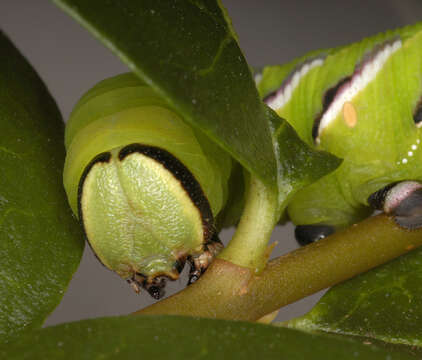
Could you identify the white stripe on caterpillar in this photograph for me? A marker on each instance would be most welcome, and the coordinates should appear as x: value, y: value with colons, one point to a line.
x: 364, y: 73
x: 282, y: 96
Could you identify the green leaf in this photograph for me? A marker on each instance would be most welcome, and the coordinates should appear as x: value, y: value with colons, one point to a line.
x: 298, y: 164
x: 40, y: 241
x: 415, y: 351
x: 187, y: 51
x: 165, y: 337
x: 384, y: 304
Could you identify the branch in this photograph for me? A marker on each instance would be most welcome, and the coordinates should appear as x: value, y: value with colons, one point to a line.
x: 229, y: 291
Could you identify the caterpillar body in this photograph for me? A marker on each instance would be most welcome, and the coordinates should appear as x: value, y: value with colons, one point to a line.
x: 362, y: 103
x: 148, y: 189
x: 152, y: 193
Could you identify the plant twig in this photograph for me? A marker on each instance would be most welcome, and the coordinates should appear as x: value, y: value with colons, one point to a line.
x: 229, y: 291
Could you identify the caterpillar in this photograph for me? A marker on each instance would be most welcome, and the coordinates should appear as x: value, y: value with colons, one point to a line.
x: 150, y: 192
x: 362, y: 103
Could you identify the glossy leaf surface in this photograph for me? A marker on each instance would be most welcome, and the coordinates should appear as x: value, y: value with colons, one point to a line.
x: 40, y: 241
x: 165, y: 337
x: 384, y: 304
x: 187, y: 52
x: 298, y: 165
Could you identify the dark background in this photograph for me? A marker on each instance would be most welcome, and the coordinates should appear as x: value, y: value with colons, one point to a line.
x: 70, y: 61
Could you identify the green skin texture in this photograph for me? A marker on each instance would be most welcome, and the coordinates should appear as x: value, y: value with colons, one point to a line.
x: 373, y: 149
x: 137, y: 216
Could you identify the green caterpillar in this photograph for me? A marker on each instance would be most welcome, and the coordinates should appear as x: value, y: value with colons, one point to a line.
x: 362, y: 103
x: 153, y: 193
x: 148, y: 189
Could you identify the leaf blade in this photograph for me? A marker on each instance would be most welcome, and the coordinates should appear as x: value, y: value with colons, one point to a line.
x: 160, y: 337
x: 199, y: 69
x: 40, y: 241
x: 384, y: 304
x: 202, y: 73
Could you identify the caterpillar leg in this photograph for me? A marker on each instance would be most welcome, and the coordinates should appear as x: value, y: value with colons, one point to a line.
x: 307, y: 234
x: 402, y: 200
x: 322, y: 208
x: 155, y: 287
x: 200, y: 263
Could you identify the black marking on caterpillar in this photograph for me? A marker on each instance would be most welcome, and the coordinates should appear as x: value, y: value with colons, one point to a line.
x: 365, y: 72
x: 183, y: 175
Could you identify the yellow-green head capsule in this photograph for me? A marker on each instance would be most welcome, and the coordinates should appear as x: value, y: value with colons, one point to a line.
x: 145, y: 186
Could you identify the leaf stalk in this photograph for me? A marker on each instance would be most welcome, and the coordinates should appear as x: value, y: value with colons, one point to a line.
x: 248, y: 247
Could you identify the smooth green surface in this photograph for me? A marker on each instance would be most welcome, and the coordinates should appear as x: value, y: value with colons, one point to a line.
x: 300, y: 165
x: 40, y: 241
x: 186, y: 51
x: 413, y: 350
x: 385, y: 304
x: 168, y: 337
x: 248, y: 247
x: 380, y: 147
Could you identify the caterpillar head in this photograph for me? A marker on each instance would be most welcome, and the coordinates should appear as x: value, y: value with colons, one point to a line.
x: 145, y: 186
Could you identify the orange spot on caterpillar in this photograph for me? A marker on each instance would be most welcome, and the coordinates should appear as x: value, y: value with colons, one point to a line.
x: 349, y: 114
